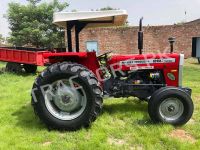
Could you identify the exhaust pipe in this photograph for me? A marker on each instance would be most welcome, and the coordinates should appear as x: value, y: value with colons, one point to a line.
x: 172, y: 40
x: 140, y: 37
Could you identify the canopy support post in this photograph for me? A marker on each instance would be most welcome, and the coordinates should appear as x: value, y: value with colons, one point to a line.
x: 78, y: 28
x: 70, y: 25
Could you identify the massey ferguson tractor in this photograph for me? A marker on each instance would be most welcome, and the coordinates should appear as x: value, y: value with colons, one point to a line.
x: 68, y: 94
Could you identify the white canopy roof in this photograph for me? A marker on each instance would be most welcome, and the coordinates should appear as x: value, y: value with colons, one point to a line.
x: 102, y: 18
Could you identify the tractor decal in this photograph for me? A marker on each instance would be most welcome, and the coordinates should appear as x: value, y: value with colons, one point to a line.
x: 148, y: 61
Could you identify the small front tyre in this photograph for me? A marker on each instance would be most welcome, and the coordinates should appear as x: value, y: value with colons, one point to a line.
x: 170, y: 105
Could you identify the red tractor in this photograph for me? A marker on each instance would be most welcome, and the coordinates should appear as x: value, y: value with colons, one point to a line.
x: 69, y: 93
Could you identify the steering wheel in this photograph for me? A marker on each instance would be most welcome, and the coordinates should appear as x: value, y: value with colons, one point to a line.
x: 103, y: 58
x: 104, y: 55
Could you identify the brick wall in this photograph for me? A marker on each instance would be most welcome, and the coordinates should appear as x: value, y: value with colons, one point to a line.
x: 123, y: 40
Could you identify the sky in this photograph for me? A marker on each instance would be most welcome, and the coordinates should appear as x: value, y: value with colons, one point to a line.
x: 155, y: 12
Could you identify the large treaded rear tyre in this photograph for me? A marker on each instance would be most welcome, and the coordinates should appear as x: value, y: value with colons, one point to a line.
x: 30, y: 68
x: 83, y: 78
x: 170, y: 105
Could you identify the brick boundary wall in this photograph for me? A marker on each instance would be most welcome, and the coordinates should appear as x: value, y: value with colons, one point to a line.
x: 123, y: 40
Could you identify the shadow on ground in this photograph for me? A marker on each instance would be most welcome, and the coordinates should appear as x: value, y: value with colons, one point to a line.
x: 126, y: 106
x: 21, y: 73
x: 130, y: 106
x: 194, y: 63
x: 26, y: 117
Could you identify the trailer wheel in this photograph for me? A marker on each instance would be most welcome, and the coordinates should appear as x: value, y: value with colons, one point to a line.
x: 30, y: 68
x: 67, y: 96
x: 13, y: 67
x: 170, y: 105
x: 198, y: 60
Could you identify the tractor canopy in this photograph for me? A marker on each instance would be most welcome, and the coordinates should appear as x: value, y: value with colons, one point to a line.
x: 87, y: 19
x: 93, y: 18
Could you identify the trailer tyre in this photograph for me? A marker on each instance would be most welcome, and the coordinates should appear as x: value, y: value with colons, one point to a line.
x: 170, y: 105
x: 13, y: 67
x: 30, y: 68
x: 64, y: 106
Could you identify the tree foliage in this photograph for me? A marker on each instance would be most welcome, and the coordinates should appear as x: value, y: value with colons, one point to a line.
x: 1, y: 39
x: 34, y: 2
x: 107, y: 8
x: 111, y: 8
x: 31, y: 24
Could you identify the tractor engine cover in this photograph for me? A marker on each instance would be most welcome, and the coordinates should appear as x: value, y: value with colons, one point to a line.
x: 169, y: 64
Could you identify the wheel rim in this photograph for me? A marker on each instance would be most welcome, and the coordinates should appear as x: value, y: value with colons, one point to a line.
x: 65, y: 101
x: 171, y: 109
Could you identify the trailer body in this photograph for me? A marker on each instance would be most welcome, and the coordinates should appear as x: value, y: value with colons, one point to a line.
x: 21, y: 56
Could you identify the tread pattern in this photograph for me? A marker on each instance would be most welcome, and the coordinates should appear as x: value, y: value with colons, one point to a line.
x: 155, y: 101
x: 84, y: 74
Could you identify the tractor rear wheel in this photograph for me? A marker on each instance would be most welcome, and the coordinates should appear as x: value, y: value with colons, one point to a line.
x: 67, y: 96
x: 30, y: 68
x: 13, y: 67
x: 170, y: 105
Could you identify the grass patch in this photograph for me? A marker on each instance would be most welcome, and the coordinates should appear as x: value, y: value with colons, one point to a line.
x: 124, y: 123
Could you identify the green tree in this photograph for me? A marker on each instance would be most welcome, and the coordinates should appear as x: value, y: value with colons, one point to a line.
x: 107, y: 8
x: 31, y: 24
x: 111, y: 8
x: 34, y: 2
x: 2, y: 39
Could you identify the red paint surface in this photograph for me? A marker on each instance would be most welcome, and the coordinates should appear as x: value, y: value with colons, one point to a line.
x: 165, y: 67
x: 89, y: 60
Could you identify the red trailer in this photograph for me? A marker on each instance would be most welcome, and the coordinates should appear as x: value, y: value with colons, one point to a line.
x: 30, y: 58
x: 21, y: 56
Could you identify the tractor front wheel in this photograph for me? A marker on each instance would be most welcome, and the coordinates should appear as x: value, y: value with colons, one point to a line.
x: 170, y: 105
x: 67, y: 96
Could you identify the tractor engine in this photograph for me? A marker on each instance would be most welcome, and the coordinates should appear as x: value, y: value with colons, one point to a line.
x: 141, y: 75
x: 139, y: 84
